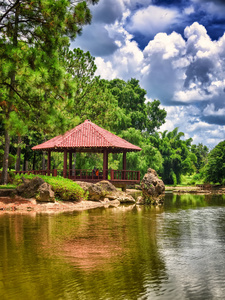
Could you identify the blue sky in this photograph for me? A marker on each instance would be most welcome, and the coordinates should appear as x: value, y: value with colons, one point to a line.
x: 175, y: 48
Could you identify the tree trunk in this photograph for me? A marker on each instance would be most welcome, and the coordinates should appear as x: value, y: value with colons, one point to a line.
x: 25, y: 159
x: 34, y: 160
x: 4, y: 178
x: 18, y: 154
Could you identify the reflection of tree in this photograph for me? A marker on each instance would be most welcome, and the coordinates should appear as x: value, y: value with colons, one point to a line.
x: 184, y: 201
x: 102, y: 252
x: 215, y: 199
x: 108, y: 253
x: 119, y: 247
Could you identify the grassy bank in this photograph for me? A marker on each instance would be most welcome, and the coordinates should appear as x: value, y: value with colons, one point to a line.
x: 64, y: 189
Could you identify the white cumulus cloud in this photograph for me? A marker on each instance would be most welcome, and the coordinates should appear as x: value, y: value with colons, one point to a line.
x: 152, y: 19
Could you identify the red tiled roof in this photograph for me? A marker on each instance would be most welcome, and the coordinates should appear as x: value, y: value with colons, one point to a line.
x: 87, y: 135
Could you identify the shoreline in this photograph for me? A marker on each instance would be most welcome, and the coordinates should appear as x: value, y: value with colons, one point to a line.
x: 195, y: 190
x: 19, y: 204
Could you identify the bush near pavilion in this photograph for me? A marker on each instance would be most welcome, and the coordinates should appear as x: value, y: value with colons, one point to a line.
x: 64, y: 189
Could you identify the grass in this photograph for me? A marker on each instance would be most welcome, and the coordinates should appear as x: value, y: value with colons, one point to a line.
x: 189, y: 180
x: 65, y: 189
x: 8, y: 186
x: 192, y: 179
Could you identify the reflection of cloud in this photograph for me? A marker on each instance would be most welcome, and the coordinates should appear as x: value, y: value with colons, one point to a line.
x: 193, y: 251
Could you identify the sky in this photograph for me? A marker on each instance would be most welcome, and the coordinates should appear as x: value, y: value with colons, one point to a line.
x: 175, y: 48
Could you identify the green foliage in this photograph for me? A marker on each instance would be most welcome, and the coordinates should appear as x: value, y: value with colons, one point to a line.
x: 7, y: 186
x: 201, y: 153
x: 174, y: 177
x: 33, y: 82
x: 65, y: 189
x: 176, y: 155
x: 12, y: 159
x: 134, y: 112
x: 148, y: 157
x: 215, y: 169
x: 156, y: 116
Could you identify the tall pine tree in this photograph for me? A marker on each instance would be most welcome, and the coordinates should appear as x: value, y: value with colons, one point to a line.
x: 31, y: 75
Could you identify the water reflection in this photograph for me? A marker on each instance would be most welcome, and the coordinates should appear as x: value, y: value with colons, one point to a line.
x: 132, y: 252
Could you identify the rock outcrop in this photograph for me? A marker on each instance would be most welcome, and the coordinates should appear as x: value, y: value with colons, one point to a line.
x: 36, y: 188
x: 152, y: 188
x: 104, y: 191
x: 45, y: 193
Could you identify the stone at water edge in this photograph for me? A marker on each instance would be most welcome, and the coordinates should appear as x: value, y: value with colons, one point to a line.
x: 29, y: 188
x: 152, y: 187
x: 45, y: 193
x: 36, y: 188
x: 104, y: 189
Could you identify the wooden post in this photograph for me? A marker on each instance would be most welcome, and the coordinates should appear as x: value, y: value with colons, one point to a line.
x: 70, y: 164
x: 65, y: 164
x: 105, y: 164
x: 124, y: 165
x: 49, y: 162
x: 112, y: 174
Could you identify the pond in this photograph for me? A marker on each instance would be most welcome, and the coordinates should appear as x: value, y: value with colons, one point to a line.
x: 176, y: 251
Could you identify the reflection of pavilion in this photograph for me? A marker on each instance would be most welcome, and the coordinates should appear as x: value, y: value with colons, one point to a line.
x: 88, y: 137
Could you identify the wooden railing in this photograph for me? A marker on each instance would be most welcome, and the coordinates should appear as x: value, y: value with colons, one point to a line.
x: 90, y: 175
x: 79, y: 174
x: 125, y: 175
x: 53, y: 172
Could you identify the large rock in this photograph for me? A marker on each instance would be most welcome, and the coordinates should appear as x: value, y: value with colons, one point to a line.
x: 29, y: 188
x: 84, y: 185
x: 125, y: 198
x: 45, y: 193
x: 152, y: 187
x: 103, y: 190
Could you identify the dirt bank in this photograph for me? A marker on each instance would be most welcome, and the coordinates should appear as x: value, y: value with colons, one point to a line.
x: 195, y: 190
x: 19, y: 204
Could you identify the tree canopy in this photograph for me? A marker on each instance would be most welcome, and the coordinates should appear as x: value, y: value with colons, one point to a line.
x: 135, y: 111
x: 31, y: 75
x: 215, y: 169
x: 177, y: 157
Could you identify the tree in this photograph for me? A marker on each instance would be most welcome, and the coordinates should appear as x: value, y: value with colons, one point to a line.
x: 156, y: 116
x: 134, y: 112
x: 201, y: 153
x: 176, y: 154
x: 215, y: 168
x: 148, y: 157
x: 91, y: 97
x: 30, y: 71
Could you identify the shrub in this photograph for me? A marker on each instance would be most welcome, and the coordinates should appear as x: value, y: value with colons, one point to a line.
x: 65, y: 189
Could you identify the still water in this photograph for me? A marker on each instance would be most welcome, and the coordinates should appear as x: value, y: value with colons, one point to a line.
x: 173, y: 252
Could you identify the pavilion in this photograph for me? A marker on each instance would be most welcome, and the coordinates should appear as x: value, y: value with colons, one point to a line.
x: 88, y: 137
